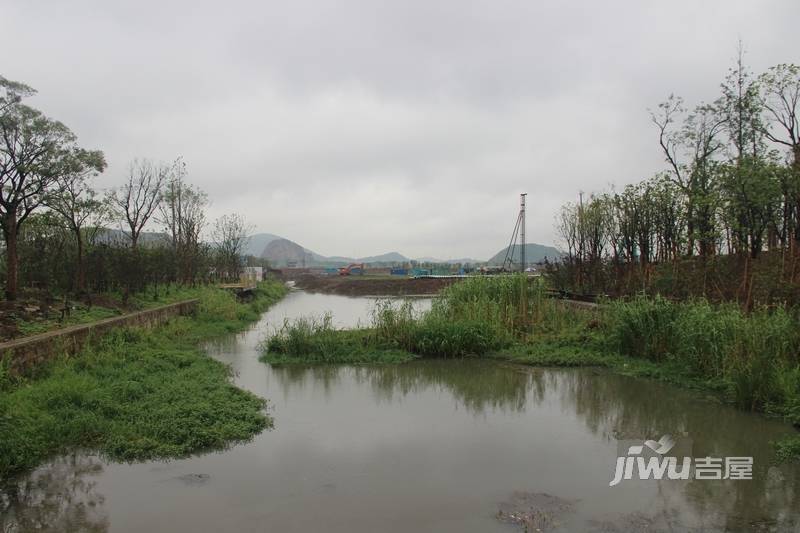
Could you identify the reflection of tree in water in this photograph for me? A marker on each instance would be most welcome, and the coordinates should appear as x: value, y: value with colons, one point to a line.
x: 478, y: 385
x: 298, y: 376
x: 614, y: 407
x: 59, y: 496
x: 767, y: 503
x: 722, y: 508
x: 619, y: 407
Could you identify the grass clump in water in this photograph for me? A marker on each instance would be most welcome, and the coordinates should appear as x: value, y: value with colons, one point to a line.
x: 137, y: 394
x: 395, y: 334
x: 316, y: 340
x: 474, y: 317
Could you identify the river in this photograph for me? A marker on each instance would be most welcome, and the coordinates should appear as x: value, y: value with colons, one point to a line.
x: 438, y: 446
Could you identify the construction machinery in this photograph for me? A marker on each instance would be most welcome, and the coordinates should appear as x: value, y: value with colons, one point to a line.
x: 519, y: 231
x: 352, y: 268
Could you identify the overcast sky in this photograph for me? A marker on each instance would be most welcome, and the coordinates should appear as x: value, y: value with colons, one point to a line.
x: 357, y: 127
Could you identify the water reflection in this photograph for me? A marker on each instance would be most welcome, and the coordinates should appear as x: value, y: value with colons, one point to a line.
x: 612, y: 407
x: 618, y: 408
x: 59, y: 496
x: 477, y: 385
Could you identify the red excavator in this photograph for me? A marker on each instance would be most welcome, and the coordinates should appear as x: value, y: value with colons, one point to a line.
x: 352, y: 268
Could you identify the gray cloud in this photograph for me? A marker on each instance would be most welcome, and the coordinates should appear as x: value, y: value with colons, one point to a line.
x: 356, y: 127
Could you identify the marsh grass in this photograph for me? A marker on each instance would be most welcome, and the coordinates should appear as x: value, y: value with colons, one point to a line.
x: 753, y: 358
x: 137, y: 394
x: 755, y: 353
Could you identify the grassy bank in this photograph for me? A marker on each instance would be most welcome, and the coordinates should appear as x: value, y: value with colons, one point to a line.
x: 47, y: 313
x: 751, y: 360
x: 137, y: 394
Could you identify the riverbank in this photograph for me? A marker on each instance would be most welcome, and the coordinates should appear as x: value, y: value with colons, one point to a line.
x: 748, y: 360
x: 37, y: 311
x: 138, y: 394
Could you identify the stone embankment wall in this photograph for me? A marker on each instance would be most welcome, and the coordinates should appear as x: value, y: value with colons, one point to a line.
x: 25, y: 354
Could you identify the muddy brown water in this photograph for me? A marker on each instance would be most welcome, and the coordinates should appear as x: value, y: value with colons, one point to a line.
x: 444, y: 446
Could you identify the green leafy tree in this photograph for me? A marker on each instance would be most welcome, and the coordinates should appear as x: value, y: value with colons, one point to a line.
x: 35, y: 153
x: 752, y: 191
x: 78, y: 205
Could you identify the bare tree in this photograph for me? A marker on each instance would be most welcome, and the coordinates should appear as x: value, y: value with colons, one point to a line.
x: 740, y: 105
x: 182, y: 211
x: 567, y: 228
x: 230, y: 235
x: 780, y: 93
x: 137, y: 200
x: 690, y: 143
x: 780, y: 88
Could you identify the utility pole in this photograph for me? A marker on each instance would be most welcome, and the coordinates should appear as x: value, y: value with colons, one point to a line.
x: 522, y: 227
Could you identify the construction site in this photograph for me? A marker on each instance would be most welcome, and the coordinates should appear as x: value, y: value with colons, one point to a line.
x: 409, y: 278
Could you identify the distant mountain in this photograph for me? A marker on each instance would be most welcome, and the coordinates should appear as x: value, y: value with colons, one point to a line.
x: 258, y: 242
x: 390, y: 257
x: 534, y: 253
x: 464, y: 261
x: 338, y: 260
x: 283, y: 252
x: 333, y: 258
x: 460, y: 261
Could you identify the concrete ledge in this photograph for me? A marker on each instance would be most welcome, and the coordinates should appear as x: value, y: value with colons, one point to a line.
x: 26, y: 353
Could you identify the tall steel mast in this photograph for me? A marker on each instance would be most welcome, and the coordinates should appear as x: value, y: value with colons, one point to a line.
x: 522, y: 227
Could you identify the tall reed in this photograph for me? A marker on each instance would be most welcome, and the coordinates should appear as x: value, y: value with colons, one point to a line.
x: 755, y: 353
x: 516, y: 304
